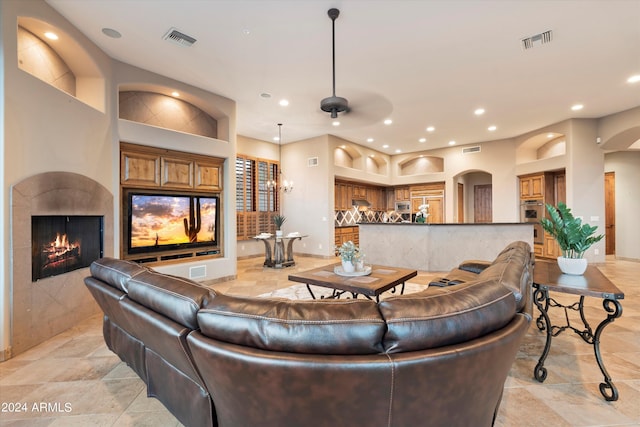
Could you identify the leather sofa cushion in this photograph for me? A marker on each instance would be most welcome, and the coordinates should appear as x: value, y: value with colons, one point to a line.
x: 174, y: 297
x: 311, y: 327
x: 474, y: 266
x: 511, y: 268
x: 115, y: 272
x: 434, y: 319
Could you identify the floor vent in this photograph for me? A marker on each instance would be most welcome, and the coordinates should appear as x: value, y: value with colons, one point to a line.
x: 469, y: 150
x: 312, y: 161
x: 537, y: 39
x: 177, y: 37
x: 199, y: 272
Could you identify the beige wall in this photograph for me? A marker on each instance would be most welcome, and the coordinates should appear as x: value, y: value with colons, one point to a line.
x: 626, y: 166
x: 45, y: 129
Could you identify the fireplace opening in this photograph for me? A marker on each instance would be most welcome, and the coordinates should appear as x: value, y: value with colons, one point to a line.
x: 60, y: 243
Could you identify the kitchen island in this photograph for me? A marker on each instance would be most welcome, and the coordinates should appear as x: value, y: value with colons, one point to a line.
x: 437, y: 247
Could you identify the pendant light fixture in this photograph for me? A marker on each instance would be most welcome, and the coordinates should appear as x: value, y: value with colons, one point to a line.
x: 285, y: 185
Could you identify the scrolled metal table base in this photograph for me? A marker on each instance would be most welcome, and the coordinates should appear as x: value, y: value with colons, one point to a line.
x: 544, y: 302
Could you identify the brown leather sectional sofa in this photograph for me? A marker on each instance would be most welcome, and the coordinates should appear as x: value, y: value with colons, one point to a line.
x: 439, y: 357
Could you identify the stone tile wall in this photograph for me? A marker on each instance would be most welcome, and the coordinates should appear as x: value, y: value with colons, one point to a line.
x: 49, y: 306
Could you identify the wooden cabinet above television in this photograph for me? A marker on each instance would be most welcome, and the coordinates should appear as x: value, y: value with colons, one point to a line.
x: 148, y: 167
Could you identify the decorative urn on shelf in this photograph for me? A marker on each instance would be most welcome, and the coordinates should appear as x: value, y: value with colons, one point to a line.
x: 573, y: 237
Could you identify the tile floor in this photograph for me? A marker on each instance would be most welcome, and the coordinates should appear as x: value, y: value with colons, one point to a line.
x: 73, y: 380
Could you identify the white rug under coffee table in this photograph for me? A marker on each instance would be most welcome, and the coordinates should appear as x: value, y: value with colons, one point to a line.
x: 299, y: 291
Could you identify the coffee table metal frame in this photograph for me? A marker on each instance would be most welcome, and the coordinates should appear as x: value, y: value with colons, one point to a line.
x: 548, y: 277
x: 388, y: 278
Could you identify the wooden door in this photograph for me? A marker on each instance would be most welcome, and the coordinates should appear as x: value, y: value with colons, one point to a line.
x: 460, y: 203
x: 482, y: 205
x: 610, y: 212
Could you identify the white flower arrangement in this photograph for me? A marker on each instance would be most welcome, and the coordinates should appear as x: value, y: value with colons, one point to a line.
x: 423, y: 212
x: 349, y: 251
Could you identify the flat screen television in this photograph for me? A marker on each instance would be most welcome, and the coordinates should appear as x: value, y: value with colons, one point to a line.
x: 167, y: 221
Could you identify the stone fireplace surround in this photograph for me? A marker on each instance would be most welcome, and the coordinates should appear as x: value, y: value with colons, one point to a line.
x: 49, y: 306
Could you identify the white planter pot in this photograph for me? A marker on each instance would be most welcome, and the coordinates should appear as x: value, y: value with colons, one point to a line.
x: 278, y: 233
x: 573, y: 266
x: 348, y: 267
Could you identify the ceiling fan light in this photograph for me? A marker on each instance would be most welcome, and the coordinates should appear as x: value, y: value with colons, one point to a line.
x: 334, y: 105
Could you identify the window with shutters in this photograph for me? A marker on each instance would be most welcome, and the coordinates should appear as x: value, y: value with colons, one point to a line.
x: 256, y: 200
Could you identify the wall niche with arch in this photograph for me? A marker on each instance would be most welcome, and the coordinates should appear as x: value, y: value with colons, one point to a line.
x: 60, y: 62
x: 168, y: 112
x: 420, y: 164
x: 349, y: 156
x: 542, y: 146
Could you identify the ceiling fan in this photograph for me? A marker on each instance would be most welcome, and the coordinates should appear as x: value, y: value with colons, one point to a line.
x: 334, y: 104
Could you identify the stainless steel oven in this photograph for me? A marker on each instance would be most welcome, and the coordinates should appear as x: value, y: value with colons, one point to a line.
x: 532, y: 211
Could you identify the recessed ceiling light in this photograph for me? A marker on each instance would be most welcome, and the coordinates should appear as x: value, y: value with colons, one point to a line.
x: 335, y: 123
x: 372, y: 155
x: 422, y: 140
x: 343, y: 146
x: 430, y: 129
x: 276, y: 139
x: 174, y: 93
x: 385, y: 146
x: 398, y: 151
x: 246, y: 31
x: 550, y: 135
x: 388, y: 121
x: 452, y: 142
x: 479, y: 111
x: 634, y: 79
x: 51, y: 36
x: 110, y: 32
x: 265, y: 95
x: 370, y: 139
x: 577, y: 107
x: 492, y: 128
x: 283, y: 102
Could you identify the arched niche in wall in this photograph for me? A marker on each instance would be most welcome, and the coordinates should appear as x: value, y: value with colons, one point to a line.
x: 165, y: 111
x: 61, y: 63
x: 376, y: 164
x: 420, y: 164
x: 542, y: 146
x: 627, y: 139
x: 345, y: 155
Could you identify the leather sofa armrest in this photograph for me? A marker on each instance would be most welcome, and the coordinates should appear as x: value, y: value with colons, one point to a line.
x: 474, y: 266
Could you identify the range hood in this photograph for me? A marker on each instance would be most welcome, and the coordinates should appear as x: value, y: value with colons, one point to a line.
x: 360, y: 203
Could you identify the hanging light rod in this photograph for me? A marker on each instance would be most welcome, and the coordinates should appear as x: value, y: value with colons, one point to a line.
x: 334, y: 104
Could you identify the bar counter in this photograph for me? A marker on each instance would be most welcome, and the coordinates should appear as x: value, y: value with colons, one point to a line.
x: 437, y: 247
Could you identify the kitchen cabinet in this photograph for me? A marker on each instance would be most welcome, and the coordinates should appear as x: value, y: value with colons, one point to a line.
x: 532, y: 187
x: 547, y: 187
x: 402, y: 194
x: 359, y: 192
x: 345, y: 234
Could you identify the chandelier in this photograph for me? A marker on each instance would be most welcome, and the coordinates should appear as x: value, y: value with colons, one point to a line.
x: 285, y: 185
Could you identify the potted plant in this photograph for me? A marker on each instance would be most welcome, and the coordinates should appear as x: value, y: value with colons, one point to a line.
x: 349, y: 253
x: 573, y: 237
x: 278, y: 220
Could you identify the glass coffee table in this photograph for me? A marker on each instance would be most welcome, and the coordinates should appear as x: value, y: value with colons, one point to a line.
x: 381, y: 279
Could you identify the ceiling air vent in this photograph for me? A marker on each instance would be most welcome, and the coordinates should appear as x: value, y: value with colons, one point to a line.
x: 537, y: 39
x: 177, y: 37
x: 469, y: 150
x: 312, y: 161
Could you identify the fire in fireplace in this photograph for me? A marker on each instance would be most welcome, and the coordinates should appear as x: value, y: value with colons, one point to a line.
x: 60, y: 244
